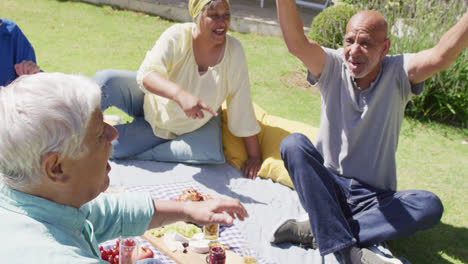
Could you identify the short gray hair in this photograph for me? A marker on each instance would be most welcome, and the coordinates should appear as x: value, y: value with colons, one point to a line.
x: 41, y: 114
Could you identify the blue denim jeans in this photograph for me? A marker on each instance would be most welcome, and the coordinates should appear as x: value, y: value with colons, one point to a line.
x: 120, y: 89
x: 136, y: 139
x: 343, y: 212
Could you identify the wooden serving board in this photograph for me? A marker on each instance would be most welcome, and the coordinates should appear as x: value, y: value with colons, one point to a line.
x: 190, y: 257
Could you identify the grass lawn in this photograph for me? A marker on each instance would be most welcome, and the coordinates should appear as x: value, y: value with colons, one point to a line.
x: 74, y: 37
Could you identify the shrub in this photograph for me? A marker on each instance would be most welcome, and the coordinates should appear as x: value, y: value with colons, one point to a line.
x: 445, y: 96
x: 329, y: 27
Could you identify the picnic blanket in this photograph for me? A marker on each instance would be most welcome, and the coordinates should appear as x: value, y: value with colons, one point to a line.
x: 267, y: 202
x: 228, y: 235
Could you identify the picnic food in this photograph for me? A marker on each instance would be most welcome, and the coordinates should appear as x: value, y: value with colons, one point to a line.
x: 211, y: 231
x: 217, y: 255
x: 145, y: 252
x: 217, y: 244
x: 187, y: 230
x: 201, y: 246
x: 192, y: 256
x: 191, y: 194
x: 180, y: 236
x: 249, y: 260
x: 112, y: 254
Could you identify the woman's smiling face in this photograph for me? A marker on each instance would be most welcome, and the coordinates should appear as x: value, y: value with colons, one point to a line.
x: 215, y: 21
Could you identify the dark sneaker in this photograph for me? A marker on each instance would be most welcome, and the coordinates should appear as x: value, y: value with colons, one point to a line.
x: 371, y: 257
x: 294, y: 232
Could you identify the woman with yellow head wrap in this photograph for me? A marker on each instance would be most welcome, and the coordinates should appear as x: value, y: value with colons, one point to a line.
x: 195, y: 6
x: 192, y: 69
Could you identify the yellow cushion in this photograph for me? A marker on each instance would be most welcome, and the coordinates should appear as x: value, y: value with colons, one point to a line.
x: 273, y: 130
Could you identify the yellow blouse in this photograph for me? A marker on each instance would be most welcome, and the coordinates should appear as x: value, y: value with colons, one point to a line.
x: 172, y: 57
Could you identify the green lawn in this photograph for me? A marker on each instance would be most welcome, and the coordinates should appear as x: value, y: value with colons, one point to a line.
x: 74, y: 37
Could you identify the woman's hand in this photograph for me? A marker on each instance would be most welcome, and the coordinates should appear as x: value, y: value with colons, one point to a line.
x: 251, y: 167
x: 192, y: 105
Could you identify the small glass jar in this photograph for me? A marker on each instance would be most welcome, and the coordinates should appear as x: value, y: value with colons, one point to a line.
x: 217, y: 255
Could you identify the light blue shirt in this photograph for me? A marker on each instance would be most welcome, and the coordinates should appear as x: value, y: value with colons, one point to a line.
x: 359, y: 129
x: 36, y: 230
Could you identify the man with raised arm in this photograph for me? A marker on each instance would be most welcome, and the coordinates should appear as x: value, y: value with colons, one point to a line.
x: 347, y: 181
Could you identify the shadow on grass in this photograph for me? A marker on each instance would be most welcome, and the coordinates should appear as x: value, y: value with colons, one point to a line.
x: 429, y: 246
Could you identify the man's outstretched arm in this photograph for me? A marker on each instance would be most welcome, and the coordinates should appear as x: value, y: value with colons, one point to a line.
x: 428, y: 62
x: 308, y: 51
x: 211, y: 211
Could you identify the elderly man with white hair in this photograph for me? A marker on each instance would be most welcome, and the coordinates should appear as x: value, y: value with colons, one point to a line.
x: 54, y: 150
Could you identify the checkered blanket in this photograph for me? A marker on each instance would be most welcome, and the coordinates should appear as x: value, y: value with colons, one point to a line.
x: 228, y: 235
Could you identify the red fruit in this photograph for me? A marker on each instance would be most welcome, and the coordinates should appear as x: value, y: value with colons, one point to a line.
x: 115, y: 252
x: 128, y: 242
x: 104, y: 255
x: 101, y: 248
x: 145, y: 253
x: 117, y: 243
x: 116, y: 259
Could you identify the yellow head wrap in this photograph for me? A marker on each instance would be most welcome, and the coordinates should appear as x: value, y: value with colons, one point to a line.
x: 196, y: 6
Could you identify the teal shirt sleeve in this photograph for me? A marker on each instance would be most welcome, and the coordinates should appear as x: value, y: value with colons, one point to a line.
x: 120, y: 214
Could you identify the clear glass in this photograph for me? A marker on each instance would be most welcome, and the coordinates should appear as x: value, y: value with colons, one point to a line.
x: 211, y: 232
x: 128, y: 250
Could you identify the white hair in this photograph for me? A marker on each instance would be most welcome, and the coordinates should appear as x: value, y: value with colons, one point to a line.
x: 41, y: 114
